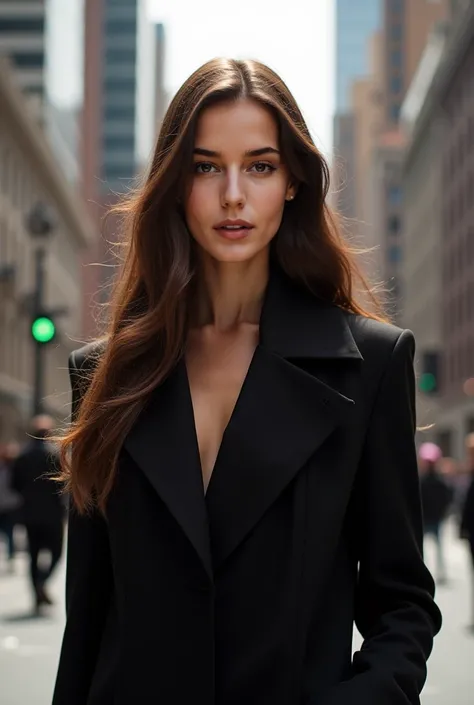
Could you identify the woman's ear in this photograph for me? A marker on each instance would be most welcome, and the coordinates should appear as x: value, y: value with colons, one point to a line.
x: 291, y: 191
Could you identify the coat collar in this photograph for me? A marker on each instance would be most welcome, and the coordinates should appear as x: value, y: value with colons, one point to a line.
x: 296, y: 324
x: 282, y: 416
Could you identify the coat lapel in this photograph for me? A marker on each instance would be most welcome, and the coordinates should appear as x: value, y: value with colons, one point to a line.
x: 283, y: 415
x: 163, y: 444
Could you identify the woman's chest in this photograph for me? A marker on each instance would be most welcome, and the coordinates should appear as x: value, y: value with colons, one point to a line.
x: 216, y: 375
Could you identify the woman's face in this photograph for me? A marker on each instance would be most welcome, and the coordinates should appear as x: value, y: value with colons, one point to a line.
x: 239, y: 183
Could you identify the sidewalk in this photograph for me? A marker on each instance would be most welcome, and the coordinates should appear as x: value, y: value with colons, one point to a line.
x: 29, y: 646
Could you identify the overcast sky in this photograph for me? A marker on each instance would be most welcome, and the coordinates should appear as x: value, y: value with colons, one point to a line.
x: 294, y: 37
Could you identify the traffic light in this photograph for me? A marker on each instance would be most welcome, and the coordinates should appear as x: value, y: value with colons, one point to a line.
x: 43, y: 329
x: 429, y: 382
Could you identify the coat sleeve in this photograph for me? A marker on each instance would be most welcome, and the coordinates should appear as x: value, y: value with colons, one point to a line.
x: 395, y: 611
x: 88, y: 592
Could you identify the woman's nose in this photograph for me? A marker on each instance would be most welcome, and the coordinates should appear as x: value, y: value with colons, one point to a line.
x: 233, y: 192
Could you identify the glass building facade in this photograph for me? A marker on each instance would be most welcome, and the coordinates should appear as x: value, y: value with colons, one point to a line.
x: 119, y: 93
x: 22, y: 39
x: 355, y: 23
x: 127, y: 91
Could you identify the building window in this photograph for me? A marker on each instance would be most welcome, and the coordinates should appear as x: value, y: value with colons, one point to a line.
x: 395, y: 112
x: 119, y: 143
x: 396, y: 32
x: 15, y: 24
x: 394, y: 195
x: 114, y: 83
x: 29, y: 61
x: 124, y: 112
x: 395, y: 254
x: 115, y: 26
x: 35, y: 90
x: 396, y: 58
x: 118, y: 171
x: 396, y: 84
x: 393, y: 225
x: 120, y: 56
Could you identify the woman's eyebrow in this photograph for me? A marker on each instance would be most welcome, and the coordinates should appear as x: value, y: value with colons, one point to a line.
x: 250, y: 153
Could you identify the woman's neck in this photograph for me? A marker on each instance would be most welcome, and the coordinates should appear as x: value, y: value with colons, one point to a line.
x: 230, y: 293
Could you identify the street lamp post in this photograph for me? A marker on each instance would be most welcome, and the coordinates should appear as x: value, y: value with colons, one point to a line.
x: 39, y: 349
x: 40, y: 226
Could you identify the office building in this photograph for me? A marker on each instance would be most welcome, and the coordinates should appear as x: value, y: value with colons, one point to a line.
x: 30, y: 175
x: 407, y: 24
x: 23, y: 40
x: 439, y: 267
x: 118, y: 123
x: 355, y: 23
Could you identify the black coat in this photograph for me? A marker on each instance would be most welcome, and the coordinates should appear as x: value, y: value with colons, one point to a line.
x: 312, y: 520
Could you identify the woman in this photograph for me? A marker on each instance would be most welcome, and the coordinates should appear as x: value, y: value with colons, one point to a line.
x: 232, y: 516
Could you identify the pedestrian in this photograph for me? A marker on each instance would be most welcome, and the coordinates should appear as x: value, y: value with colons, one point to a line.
x: 436, y: 498
x: 231, y: 517
x: 43, y: 506
x: 10, y: 502
x: 467, y: 516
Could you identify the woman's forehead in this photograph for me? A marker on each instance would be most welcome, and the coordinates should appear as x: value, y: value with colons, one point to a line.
x: 245, y: 124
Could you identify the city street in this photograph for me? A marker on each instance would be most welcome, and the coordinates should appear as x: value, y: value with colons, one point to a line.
x: 29, y: 646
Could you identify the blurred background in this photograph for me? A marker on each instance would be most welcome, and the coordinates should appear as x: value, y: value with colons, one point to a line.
x: 387, y: 88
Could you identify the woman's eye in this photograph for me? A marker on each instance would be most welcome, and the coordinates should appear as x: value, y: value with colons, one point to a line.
x: 203, y: 168
x: 263, y: 167
x: 208, y: 168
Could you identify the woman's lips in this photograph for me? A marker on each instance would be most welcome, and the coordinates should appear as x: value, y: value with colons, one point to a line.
x: 233, y: 233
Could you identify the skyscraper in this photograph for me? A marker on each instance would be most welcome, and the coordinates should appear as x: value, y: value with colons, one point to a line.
x: 355, y: 24
x: 118, y: 119
x: 119, y: 47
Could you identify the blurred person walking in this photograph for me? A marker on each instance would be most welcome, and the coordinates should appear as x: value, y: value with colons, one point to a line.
x: 436, y: 498
x: 10, y: 500
x: 43, y: 505
x: 463, y: 476
x: 467, y: 516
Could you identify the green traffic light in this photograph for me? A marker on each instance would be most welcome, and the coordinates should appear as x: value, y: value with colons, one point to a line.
x: 43, y: 330
x: 427, y: 382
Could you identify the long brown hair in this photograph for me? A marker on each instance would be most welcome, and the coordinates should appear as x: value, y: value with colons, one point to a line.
x: 149, y: 306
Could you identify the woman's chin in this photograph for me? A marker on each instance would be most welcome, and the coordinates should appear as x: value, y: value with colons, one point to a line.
x: 234, y: 252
